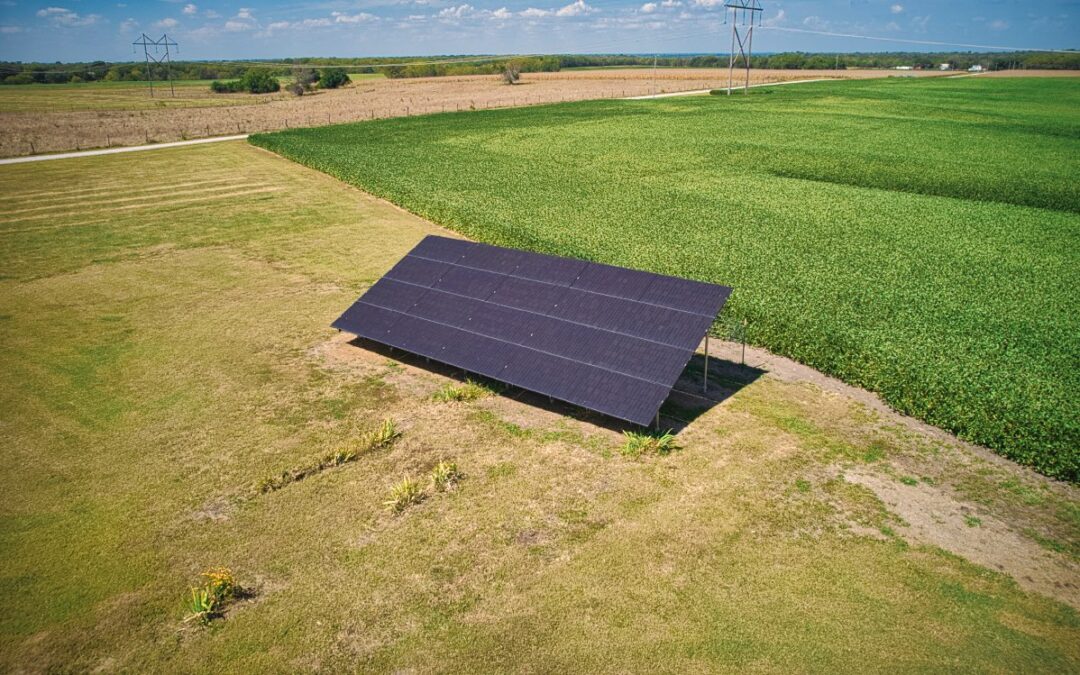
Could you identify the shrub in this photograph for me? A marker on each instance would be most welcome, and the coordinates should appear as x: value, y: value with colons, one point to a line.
x: 296, y: 89
x: 332, y: 78
x: 445, y: 476
x: 258, y: 81
x: 231, y: 87
x: 404, y: 494
x: 638, y: 444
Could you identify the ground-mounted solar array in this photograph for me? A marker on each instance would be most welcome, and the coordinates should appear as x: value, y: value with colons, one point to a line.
x: 606, y: 338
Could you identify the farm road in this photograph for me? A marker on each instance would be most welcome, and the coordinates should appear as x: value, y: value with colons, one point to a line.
x: 112, y: 151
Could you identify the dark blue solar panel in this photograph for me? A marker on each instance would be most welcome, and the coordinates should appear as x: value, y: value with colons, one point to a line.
x: 494, y: 259
x: 393, y: 294
x: 687, y: 295
x: 419, y: 271
x: 602, y: 337
x: 470, y: 282
x: 533, y: 296
x: 367, y: 321
x: 617, y: 281
x: 442, y: 249
x: 553, y: 270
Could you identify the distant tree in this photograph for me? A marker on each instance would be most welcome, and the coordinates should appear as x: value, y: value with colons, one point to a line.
x: 304, y: 80
x: 511, y: 73
x: 259, y: 81
x: 332, y: 78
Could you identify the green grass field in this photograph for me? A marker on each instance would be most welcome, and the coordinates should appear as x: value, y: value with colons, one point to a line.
x: 915, y: 237
x: 167, y: 350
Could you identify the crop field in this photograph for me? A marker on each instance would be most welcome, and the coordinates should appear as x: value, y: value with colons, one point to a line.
x: 918, y: 238
x: 95, y: 115
x: 174, y: 401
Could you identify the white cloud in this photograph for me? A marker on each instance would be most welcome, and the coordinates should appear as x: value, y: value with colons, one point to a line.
x: 671, y: 3
x: 896, y: 9
x: 237, y: 26
x: 211, y: 14
x: 8, y: 30
x: 167, y: 22
x: 816, y: 23
x: 502, y: 14
x: 362, y: 17
x: 458, y: 12
x: 534, y: 13
x: 998, y: 24
x: 62, y: 16
x: 190, y: 9
x: 278, y: 25
x: 779, y: 19
x: 709, y: 3
x: 648, y: 7
x: 577, y: 8
x: 245, y: 13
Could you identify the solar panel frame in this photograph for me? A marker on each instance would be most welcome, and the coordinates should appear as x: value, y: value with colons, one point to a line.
x: 601, y: 337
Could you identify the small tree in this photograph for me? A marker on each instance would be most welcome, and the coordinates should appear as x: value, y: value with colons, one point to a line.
x: 332, y: 78
x: 511, y: 73
x: 304, y: 80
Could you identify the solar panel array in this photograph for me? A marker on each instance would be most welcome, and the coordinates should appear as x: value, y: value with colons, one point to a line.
x: 609, y: 339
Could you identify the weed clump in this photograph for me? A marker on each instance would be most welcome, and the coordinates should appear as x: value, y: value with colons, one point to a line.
x: 445, y: 476
x: 638, y: 444
x: 469, y: 391
x: 380, y: 437
x: 405, y: 494
x: 208, y: 601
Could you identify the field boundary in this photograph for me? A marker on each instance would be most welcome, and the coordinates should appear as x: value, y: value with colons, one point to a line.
x: 113, y: 151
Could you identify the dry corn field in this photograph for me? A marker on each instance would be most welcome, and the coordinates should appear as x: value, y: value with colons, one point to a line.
x: 31, y: 132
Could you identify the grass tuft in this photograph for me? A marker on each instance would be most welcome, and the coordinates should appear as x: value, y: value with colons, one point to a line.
x: 644, y: 443
x: 405, y: 494
x: 469, y: 391
x: 445, y: 476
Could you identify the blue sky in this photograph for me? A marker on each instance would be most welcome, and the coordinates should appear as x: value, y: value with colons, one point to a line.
x: 66, y: 30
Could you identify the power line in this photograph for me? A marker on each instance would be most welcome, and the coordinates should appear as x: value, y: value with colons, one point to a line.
x: 920, y: 42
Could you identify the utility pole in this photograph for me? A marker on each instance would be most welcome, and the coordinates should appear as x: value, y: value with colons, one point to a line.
x: 744, y: 13
x: 165, y: 59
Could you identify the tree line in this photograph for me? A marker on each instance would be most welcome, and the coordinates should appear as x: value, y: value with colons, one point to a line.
x: 17, y: 72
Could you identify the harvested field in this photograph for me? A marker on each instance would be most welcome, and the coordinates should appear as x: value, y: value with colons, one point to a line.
x: 29, y: 131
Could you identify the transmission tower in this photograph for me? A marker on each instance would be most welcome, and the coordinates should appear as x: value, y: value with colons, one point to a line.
x: 162, y: 43
x: 744, y: 14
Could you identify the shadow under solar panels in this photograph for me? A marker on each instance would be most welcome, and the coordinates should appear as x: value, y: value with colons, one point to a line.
x: 605, y: 338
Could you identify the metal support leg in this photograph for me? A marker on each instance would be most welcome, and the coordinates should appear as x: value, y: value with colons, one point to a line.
x: 705, y: 382
x: 657, y: 420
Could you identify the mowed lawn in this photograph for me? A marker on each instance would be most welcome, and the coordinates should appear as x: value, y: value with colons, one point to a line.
x: 166, y: 348
x: 920, y: 238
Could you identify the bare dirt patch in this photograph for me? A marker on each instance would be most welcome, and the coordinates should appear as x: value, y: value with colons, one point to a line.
x: 23, y: 133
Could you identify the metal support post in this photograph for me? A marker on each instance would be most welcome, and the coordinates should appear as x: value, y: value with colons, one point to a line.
x: 705, y: 381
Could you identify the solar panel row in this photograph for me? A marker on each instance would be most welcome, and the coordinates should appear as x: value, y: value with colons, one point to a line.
x: 605, y: 338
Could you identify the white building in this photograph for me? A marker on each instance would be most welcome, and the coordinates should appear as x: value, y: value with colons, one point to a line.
x: 975, y: 68
x: 944, y: 66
